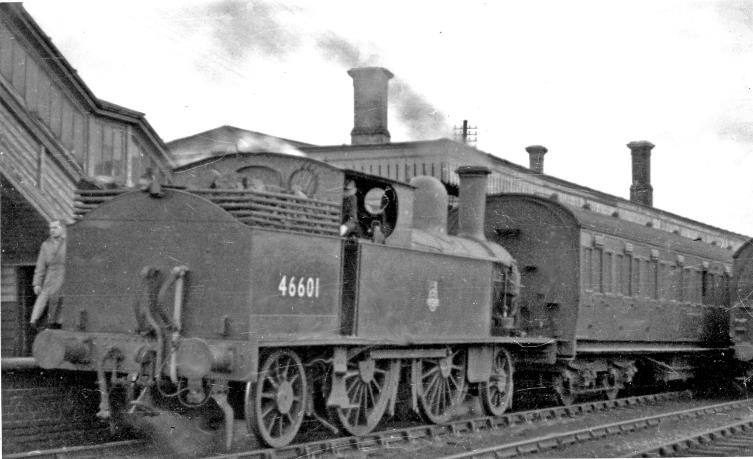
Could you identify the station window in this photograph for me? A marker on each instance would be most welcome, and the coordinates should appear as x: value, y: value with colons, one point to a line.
x: 680, y: 284
x: 636, y: 280
x: 627, y: 284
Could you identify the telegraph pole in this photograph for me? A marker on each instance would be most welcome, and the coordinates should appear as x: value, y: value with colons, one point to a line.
x: 466, y: 133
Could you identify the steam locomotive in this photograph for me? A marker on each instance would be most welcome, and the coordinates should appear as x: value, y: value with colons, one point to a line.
x: 235, y: 287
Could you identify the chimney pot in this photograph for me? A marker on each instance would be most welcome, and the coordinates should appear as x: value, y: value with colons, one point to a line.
x: 370, y: 97
x: 536, y: 158
x: 641, y: 191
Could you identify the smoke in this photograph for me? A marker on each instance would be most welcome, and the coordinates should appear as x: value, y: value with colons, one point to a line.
x: 736, y: 12
x: 737, y: 131
x: 422, y: 119
x: 419, y: 116
x: 241, y: 28
x: 337, y: 49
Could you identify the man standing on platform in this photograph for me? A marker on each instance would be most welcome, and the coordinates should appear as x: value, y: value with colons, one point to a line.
x: 48, y: 276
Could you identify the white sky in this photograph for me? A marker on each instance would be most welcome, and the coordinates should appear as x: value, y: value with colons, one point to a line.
x: 583, y: 78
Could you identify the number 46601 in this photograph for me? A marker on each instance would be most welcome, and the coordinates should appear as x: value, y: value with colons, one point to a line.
x: 301, y: 287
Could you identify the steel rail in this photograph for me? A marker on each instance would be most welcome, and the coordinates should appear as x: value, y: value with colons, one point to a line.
x: 394, y: 437
x: 727, y: 440
x: 412, y: 435
x: 564, y: 439
x: 73, y: 451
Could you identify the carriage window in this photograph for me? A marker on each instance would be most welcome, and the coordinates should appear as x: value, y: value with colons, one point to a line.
x: 618, y: 277
x: 724, y: 300
x: 587, y: 268
x: 664, y: 282
x: 653, y: 279
x: 608, y: 287
x: 698, y: 287
x: 598, y: 270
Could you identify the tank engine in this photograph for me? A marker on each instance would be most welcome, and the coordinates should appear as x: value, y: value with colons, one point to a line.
x: 238, y: 290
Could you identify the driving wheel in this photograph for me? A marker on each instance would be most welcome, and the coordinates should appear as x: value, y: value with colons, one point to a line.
x: 440, y: 385
x: 275, y: 404
x: 369, y: 384
x: 496, y: 394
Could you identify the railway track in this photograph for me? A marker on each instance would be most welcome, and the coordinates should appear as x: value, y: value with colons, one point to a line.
x: 118, y: 448
x: 733, y: 440
x: 563, y: 440
x: 405, y: 437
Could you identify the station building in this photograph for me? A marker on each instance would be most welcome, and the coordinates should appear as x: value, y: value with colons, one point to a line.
x: 54, y: 133
x: 372, y: 151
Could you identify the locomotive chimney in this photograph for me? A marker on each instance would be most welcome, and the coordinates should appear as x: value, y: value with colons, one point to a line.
x: 370, y: 90
x: 536, y: 158
x: 472, y: 199
x: 641, y: 191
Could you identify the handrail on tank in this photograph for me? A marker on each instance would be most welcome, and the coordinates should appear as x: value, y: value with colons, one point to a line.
x: 177, y: 276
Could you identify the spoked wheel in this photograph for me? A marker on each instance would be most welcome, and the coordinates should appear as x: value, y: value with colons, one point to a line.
x: 563, y: 387
x: 441, y: 385
x: 496, y: 394
x: 369, y: 385
x: 275, y: 404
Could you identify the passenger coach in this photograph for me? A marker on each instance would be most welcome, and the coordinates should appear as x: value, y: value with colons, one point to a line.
x: 621, y: 298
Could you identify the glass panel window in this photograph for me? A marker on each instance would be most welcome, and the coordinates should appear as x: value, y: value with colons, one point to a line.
x: 618, y: 276
x: 587, y: 270
x: 608, y: 285
x: 598, y: 269
x: 627, y: 284
x: 118, y: 163
x: 653, y: 279
x: 105, y: 166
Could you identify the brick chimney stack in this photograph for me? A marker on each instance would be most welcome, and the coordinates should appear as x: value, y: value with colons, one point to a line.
x: 641, y: 191
x: 536, y: 158
x: 370, y: 93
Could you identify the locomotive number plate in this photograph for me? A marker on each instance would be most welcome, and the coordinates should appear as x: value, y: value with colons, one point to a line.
x: 299, y: 287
